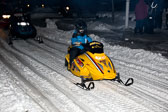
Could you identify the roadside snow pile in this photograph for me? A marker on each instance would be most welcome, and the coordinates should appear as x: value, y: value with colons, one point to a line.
x: 119, y: 20
x: 104, y: 14
x: 117, y: 15
x: 52, y: 32
x: 51, y: 23
x: 99, y: 26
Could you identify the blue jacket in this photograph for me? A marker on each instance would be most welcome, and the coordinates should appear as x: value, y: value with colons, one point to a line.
x: 82, y: 39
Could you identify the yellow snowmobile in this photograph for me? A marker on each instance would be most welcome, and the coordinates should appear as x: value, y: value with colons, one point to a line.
x: 93, y: 65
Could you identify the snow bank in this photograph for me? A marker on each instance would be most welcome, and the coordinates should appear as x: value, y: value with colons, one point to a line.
x: 52, y: 32
x: 99, y: 26
x: 119, y: 21
x: 104, y: 14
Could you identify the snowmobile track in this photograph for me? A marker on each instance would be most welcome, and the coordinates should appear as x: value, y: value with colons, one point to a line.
x: 69, y: 95
x: 146, y: 77
x: 163, y: 85
x: 100, y: 97
x: 45, y: 48
x: 138, y: 92
x: 140, y: 65
x: 35, y: 94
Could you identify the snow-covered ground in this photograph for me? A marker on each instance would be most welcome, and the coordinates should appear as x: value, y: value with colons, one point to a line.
x: 33, y: 78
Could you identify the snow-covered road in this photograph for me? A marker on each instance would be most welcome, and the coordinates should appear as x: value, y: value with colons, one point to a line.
x: 33, y: 79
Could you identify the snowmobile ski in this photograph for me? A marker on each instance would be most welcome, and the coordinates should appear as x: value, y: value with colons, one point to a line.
x: 88, y: 87
x: 129, y: 81
x: 83, y: 85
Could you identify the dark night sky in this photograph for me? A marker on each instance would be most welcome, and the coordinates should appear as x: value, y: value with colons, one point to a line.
x: 85, y: 5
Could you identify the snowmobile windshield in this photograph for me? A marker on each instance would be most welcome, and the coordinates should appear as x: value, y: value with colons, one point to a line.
x: 96, y: 47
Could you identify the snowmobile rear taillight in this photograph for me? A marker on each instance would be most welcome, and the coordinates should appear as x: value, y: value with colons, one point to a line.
x: 79, y: 62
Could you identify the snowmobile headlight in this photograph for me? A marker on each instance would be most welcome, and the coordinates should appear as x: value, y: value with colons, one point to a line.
x: 6, y: 16
x: 23, y: 23
x: 100, y: 57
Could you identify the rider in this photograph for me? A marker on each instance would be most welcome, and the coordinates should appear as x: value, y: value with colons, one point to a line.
x: 79, y: 37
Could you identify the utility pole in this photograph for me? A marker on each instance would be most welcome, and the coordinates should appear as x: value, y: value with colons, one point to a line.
x: 127, y: 13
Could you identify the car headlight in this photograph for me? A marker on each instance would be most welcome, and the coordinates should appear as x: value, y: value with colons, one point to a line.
x: 23, y: 23
x: 6, y: 16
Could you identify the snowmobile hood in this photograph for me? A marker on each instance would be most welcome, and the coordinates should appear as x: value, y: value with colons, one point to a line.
x: 99, y: 65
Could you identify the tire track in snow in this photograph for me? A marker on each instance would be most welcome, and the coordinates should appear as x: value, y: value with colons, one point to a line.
x: 52, y: 52
x: 141, y: 97
x: 140, y: 66
x: 150, y: 82
x: 36, y: 95
x: 52, y: 68
x: 143, y: 94
x: 160, y: 99
x: 146, y: 78
x: 56, y: 45
x: 11, y: 89
x: 60, y: 89
x: 46, y: 50
x: 69, y: 95
x: 147, y: 83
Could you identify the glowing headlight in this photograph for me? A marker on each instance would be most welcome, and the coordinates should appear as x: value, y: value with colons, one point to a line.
x: 100, y: 57
x: 23, y: 23
x: 67, y: 8
x: 6, y: 16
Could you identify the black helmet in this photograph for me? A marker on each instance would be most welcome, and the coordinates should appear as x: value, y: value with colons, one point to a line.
x: 81, y: 27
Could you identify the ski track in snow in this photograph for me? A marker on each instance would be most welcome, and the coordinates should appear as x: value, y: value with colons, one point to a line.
x: 25, y: 75
x: 144, y: 94
x: 129, y: 106
x: 14, y: 94
x: 41, y: 69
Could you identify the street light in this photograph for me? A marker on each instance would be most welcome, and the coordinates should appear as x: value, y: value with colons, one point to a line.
x: 42, y: 5
x: 67, y: 8
x: 28, y: 5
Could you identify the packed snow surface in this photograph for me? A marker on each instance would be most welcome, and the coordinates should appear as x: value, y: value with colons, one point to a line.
x: 33, y: 78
